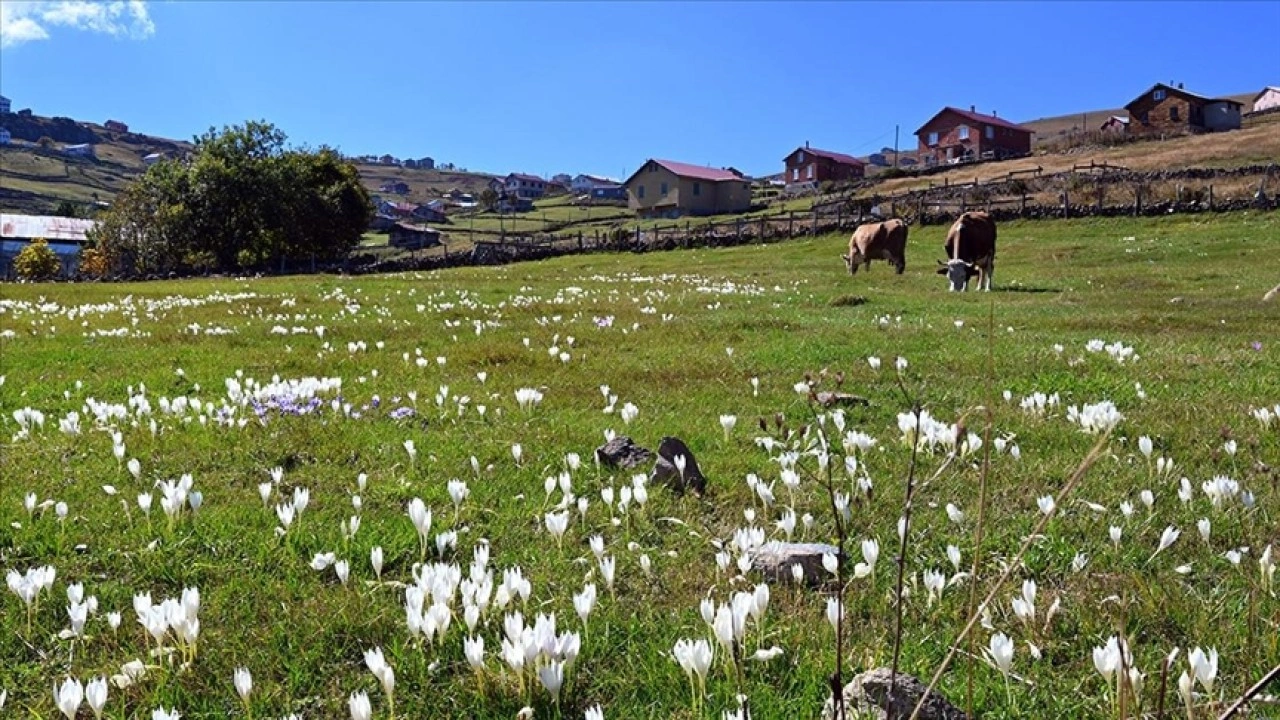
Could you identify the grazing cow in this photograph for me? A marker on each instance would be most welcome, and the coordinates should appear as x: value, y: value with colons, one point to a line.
x: 971, y: 250
x: 878, y: 241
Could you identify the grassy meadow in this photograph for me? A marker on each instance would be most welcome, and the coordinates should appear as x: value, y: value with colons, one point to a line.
x: 680, y: 339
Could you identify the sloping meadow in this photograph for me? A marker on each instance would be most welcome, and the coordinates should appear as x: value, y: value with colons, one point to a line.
x: 352, y: 497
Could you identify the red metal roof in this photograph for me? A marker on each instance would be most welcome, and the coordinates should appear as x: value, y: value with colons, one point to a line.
x: 974, y: 117
x: 698, y: 172
x: 838, y: 157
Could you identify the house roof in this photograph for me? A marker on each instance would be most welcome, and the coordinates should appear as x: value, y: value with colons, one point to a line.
x: 1180, y: 91
x: 1265, y: 90
x: 697, y: 172
x: 49, y: 227
x: 837, y: 157
x: 974, y: 117
x: 522, y: 176
x: 1118, y: 118
x: 597, y: 179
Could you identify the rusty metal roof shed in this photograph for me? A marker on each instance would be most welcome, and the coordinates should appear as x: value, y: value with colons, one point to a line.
x: 49, y: 227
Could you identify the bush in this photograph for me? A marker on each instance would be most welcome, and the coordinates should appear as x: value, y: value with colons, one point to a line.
x: 93, y: 263
x: 37, y: 261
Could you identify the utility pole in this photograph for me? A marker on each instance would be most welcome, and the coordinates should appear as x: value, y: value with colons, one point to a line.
x: 895, y: 146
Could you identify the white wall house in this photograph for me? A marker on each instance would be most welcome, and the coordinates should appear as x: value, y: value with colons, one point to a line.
x: 584, y: 184
x: 1222, y: 115
x: 5, y: 137
x: 1267, y: 99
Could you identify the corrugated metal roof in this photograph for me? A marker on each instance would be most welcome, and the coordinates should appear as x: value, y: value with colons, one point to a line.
x: 49, y: 227
x: 838, y: 157
x: 698, y: 172
x: 975, y: 117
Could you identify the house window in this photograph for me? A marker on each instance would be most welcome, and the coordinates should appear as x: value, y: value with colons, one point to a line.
x: 933, y: 138
x: 991, y: 133
x: 697, y: 188
x: 795, y: 173
x: 1144, y: 117
x: 640, y: 192
x: 1173, y: 113
x: 808, y: 173
x: 1157, y: 95
x: 964, y: 132
x: 662, y: 190
x: 800, y: 157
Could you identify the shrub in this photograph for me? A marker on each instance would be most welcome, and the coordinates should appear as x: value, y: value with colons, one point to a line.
x: 36, y: 262
x: 93, y: 263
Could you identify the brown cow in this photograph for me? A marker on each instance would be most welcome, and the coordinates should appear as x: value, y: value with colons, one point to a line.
x: 878, y: 241
x: 971, y: 250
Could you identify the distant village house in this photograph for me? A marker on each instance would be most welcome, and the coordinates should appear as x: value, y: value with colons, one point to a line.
x: 806, y: 167
x: 584, y: 184
x: 116, y: 126
x: 1168, y: 109
x: 5, y: 137
x: 664, y: 188
x: 1268, y: 99
x: 412, y: 237
x: 395, y: 187
x: 954, y: 135
x: 529, y: 187
x: 81, y: 150
x: 5, y: 105
x: 152, y: 159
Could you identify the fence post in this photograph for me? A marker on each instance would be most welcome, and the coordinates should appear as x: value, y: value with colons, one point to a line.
x: 761, y: 237
x: 580, y: 248
x: 738, y: 230
x: 963, y: 202
x: 1066, y: 207
x: 839, y: 217
x: 813, y: 229
x: 1137, y: 201
x: 791, y: 221
x: 1211, y: 197
x: 637, y: 236
x: 1178, y: 201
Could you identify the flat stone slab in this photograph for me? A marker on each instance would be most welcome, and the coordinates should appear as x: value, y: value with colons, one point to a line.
x: 774, y: 560
x: 867, y: 696
x: 622, y: 452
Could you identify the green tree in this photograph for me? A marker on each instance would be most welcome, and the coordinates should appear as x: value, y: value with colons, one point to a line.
x: 243, y: 199
x: 37, y: 262
x: 489, y: 200
x: 66, y: 208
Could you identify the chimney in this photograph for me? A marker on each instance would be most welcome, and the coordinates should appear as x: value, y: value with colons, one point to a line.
x: 806, y: 144
x: 1179, y: 86
x: 993, y: 114
x: 973, y: 108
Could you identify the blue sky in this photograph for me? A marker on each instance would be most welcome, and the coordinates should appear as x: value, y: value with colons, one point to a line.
x: 598, y: 87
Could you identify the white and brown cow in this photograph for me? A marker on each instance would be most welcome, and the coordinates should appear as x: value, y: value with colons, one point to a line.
x: 878, y: 241
x: 971, y: 250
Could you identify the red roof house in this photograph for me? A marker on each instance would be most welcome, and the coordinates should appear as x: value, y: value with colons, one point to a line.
x: 806, y: 167
x: 665, y: 188
x: 954, y: 135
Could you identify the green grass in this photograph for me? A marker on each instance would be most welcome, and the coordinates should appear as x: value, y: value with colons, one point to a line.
x: 1182, y: 291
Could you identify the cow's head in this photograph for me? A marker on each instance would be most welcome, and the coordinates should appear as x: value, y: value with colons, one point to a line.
x: 958, y: 273
x: 852, y: 261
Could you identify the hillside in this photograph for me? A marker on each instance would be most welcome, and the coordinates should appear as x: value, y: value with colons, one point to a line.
x: 34, y: 179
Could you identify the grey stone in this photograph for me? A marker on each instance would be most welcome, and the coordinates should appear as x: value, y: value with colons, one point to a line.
x: 666, y: 472
x: 622, y: 452
x: 775, y: 558
x: 867, y: 695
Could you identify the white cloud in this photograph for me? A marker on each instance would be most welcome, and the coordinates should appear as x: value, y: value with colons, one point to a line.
x: 26, y: 21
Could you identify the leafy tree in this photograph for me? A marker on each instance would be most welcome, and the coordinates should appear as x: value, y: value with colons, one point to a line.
x: 37, y: 262
x: 489, y: 199
x: 66, y: 208
x: 243, y: 199
x: 45, y: 142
